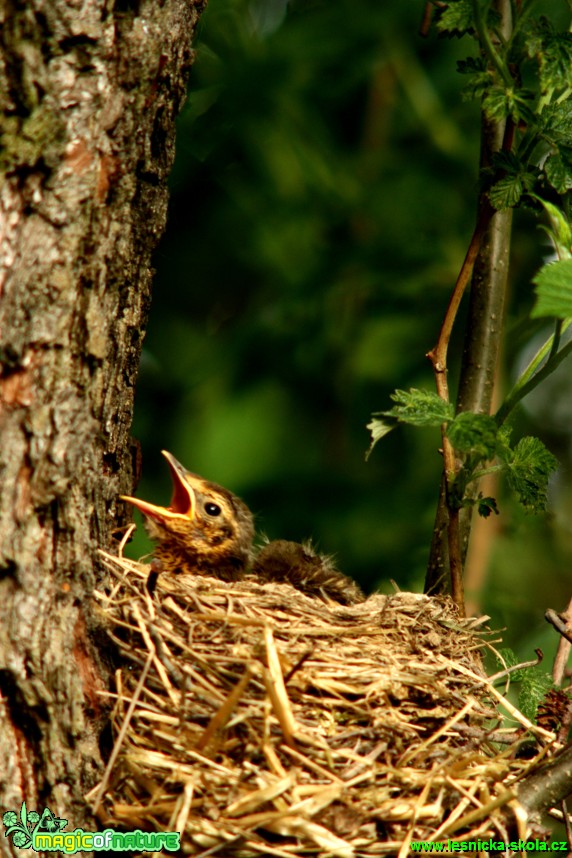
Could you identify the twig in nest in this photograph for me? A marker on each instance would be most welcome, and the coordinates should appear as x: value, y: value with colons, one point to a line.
x: 176, y: 675
x: 122, y: 733
x: 516, y: 667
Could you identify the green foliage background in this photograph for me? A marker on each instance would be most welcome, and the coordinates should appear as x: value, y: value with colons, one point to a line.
x: 322, y: 201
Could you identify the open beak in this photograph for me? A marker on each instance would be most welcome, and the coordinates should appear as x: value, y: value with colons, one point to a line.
x: 183, y: 501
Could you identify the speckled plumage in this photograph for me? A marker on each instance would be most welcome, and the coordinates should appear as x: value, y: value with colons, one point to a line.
x: 206, y: 530
x: 312, y: 573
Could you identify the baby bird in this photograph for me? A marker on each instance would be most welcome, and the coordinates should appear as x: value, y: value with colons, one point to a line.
x: 205, y: 530
x: 309, y: 572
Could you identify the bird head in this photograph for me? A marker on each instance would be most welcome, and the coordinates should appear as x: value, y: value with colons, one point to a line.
x: 204, y: 522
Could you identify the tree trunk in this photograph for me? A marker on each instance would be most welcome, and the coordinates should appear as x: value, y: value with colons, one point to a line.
x: 89, y: 92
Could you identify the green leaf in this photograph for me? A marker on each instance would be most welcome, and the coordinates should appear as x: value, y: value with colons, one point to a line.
x: 456, y: 18
x: 472, y: 65
x: 486, y: 505
x: 508, y: 162
x: 496, y: 103
x: 555, y: 60
x: 554, y: 290
x: 558, y: 172
x: 420, y: 408
x: 506, y: 658
x: 537, y: 31
x: 378, y: 429
x: 416, y: 407
x: 479, y: 76
x: 533, y: 688
x: 507, y: 192
x: 529, y: 466
x: 476, y: 86
x: 560, y: 231
x: 501, y: 102
x: 474, y: 433
x: 557, y: 120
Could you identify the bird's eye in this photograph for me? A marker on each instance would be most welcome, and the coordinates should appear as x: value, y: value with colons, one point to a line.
x: 212, y: 509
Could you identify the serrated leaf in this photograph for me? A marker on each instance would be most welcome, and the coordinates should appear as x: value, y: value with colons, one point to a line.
x: 476, y: 86
x: 554, y: 290
x: 533, y: 688
x: 529, y: 466
x: 558, y: 173
x: 378, y: 429
x: 485, y: 506
x: 558, y: 121
x: 507, y: 161
x: 506, y: 658
x: 416, y: 407
x: 474, y: 433
x: 506, y: 193
x: 420, y: 408
x: 471, y: 65
x: 560, y: 230
x: 538, y: 30
x: 456, y: 18
x: 496, y: 103
x: 500, y: 103
x: 555, y: 60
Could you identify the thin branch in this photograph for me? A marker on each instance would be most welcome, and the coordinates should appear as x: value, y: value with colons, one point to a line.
x: 438, y: 354
x: 516, y: 667
x: 438, y: 358
x: 563, y: 625
x: 548, y: 786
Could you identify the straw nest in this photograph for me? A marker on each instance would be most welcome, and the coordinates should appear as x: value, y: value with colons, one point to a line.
x: 258, y: 721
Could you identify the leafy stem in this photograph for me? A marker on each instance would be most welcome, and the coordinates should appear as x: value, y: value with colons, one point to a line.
x: 480, y: 11
x: 556, y: 339
x: 535, y: 372
x: 484, y: 472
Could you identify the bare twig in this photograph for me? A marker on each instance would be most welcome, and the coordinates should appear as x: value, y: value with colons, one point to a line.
x: 563, y: 625
x: 438, y: 358
x: 515, y: 667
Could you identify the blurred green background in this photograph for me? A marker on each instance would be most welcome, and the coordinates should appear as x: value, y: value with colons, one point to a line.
x: 323, y: 198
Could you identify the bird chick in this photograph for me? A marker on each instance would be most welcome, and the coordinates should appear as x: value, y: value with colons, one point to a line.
x: 206, y: 530
x: 300, y: 566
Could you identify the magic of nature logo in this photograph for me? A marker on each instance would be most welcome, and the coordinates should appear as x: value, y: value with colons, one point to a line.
x: 45, y: 832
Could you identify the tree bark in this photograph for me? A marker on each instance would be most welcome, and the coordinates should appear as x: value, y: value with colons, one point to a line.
x: 89, y: 93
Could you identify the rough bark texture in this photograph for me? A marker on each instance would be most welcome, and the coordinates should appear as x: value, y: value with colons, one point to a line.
x: 89, y: 92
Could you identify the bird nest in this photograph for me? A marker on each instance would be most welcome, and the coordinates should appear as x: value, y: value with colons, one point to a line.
x: 258, y: 721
